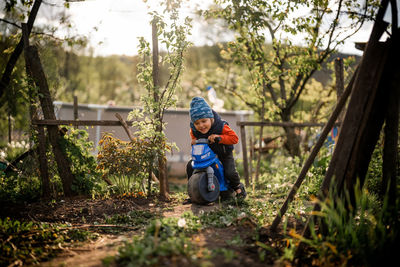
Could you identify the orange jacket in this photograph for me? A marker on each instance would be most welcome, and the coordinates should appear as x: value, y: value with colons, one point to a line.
x: 228, y: 136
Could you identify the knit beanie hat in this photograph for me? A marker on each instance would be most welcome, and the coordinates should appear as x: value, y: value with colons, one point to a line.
x: 199, y: 109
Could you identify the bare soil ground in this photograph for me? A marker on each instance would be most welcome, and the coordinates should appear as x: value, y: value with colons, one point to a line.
x: 88, y: 212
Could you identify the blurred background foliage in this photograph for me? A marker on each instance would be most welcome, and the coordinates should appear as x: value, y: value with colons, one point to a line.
x: 98, y: 80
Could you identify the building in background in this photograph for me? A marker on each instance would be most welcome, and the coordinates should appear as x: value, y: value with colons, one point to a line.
x: 177, y: 129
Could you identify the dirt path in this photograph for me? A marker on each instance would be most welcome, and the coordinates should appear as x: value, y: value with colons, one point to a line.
x: 92, y: 253
x: 89, y: 254
x: 237, y: 239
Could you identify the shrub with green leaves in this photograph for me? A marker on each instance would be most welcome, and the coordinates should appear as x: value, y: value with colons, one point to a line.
x: 22, y: 183
x: 18, y: 188
x: 12, y: 150
x: 83, y: 164
x: 127, y: 163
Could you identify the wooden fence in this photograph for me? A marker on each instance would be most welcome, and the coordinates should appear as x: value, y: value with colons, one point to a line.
x: 243, y: 124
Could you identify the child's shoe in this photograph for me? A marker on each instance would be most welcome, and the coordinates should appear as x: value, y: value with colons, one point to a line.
x: 240, y: 191
x: 187, y: 201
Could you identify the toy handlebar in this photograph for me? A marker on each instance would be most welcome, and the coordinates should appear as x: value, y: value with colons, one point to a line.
x: 205, y: 141
x: 202, y: 141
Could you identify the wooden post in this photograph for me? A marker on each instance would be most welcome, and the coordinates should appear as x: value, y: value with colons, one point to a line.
x: 339, y: 73
x: 389, y: 168
x: 9, y: 128
x: 35, y: 71
x: 313, y: 154
x: 354, y: 125
x: 149, y: 176
x: 244, y: 151
x: 31, y: 95
x: 125, y: 126
x: 41, y: 148
x: 365, y: 87
x: 390, y: 156
x: 260, y: 142
x: 339, y: 77
x: 44, y: 170
x: 250, y: 158
x: 76, y: 110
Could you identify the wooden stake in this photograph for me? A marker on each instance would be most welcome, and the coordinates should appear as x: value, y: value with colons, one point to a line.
x: 313, y: 154
x: 44, y: 170
x: 41, y: 148
x: 125, y: 126
x: 76, y: 110
x: 390, y: 157
x: 365, y: 86
x: 339, y: 74
x: 9, y: 128
x: 35, y: 71
x: 244, y: 151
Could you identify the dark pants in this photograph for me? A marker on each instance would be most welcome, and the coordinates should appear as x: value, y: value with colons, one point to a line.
x: 230, y: 171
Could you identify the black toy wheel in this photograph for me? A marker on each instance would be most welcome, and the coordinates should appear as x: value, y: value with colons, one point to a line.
x: 198, y: 189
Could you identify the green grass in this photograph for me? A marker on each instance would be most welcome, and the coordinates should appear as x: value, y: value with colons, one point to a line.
x: 134, y: 218
x: 26, y: 243
x: 166, y: 238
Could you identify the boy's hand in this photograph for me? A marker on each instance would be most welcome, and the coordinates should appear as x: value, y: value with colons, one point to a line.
x: 212, y: 137
x: 193, y: 142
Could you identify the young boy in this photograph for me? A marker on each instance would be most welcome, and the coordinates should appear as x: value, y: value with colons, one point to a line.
x: 206, y: 123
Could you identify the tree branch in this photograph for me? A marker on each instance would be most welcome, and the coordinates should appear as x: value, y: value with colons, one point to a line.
x: 6, y: 77
x: 32, y: 32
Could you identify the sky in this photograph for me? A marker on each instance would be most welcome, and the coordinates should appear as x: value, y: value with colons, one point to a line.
x: 119, y: 23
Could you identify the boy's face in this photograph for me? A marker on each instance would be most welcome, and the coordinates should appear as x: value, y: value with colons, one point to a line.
x: 203, y: 125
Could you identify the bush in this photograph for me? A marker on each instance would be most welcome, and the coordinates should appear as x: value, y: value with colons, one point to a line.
x: 12, y: 150
x: 17, y: 187
x: 83, y: 164
x: 127, y: 163
x: 22, y: 183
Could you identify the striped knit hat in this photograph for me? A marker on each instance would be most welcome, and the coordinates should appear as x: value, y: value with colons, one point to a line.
x: 199, y: 109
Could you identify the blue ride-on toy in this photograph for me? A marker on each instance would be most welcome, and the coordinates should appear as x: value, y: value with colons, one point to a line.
x: 207, y: 182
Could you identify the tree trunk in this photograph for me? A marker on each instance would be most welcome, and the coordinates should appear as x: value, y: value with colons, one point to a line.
x: 162, y: 169
x: 292, y: 144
